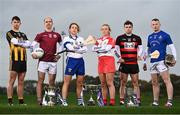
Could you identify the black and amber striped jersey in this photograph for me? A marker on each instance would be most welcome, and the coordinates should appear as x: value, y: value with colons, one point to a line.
x: 17, y: 53
x: 129, y: 47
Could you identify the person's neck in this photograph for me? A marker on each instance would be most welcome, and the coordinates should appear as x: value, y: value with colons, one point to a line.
x: 15, y: 30
x: 157, y: 31
x: 73, y: 35
x: 48, y: 30
x: 106, y: 35
x: 128, y: 34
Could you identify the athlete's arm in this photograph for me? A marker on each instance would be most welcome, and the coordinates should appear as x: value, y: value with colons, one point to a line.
x: 117, y: 51
x: 140, y: 50
x: 173, y: 50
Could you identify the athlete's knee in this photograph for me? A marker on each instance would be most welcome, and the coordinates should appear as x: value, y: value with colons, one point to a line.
x: 155, y: 83
x: 110, y: 83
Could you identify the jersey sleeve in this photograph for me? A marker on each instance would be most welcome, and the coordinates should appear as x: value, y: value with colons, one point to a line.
x: 139, y: 41
x: 111, y: 42
x: 38, y: 38
x: 59, y: 38
x: 25, y: 37
x: 117, y: 42
x: 148, y: 44
x: 9, y: 37
x: 168, y: 39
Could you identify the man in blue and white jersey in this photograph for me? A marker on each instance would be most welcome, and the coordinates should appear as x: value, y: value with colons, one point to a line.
x: 157, y: 43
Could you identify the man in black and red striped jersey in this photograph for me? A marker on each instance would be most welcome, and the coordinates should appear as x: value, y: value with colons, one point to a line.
x: 129, y: 48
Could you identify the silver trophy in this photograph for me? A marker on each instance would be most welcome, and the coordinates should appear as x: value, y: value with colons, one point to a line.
x: 91, y: 89
x: 131, y: 98
x: 51, y: 96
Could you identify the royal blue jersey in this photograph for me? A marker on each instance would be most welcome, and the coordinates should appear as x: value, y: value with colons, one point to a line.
x: 157, y: 42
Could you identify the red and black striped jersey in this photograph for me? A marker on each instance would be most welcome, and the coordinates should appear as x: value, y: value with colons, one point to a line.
x: 129, y: 47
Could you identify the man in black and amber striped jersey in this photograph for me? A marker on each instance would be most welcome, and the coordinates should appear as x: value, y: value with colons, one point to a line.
x: 129, y: 49
x: 18, y: 43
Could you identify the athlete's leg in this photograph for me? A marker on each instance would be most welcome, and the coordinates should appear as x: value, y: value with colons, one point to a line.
x: 102, y: 78
x: 41, y: 77
x: 169, y: 86
x: 12, y: 79
x: 65, y: 87
x: 52, y: 78
x: 20, y: 87
x: 79, y: 85
x: 135, y: 82
x: 123, y: 82
x: 155, y: 86
x: 110, y: 84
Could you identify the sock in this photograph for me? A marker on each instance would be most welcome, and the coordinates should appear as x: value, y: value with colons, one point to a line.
x: 121, y: 99
x: 39, y: 100
x: 169, y: 100
x: 139, y: 100
x: 105, y: 101
x: 21, y: 101
x: 112, y: 101
x: 155, y: 100
x: 10, y: 100
x: 80, y: 101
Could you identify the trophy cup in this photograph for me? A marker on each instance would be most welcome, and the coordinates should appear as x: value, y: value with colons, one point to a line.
x: 51, y: 95
x: 91, y: 88
x: 131, y: 98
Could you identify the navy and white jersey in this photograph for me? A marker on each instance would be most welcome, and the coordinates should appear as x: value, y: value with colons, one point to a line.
x: 74, y: 44
x: 157, y: 43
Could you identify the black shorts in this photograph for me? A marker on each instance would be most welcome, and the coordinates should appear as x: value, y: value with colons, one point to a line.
x: 18, y: 66
x: 129, y: 68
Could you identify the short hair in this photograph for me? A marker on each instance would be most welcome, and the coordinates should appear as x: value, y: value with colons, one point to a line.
x: 78, y: 28
x: 155, y: 19
x: 127, y: 22
x: 16, y: 18
x: 107, y: 26
x: 48, y: 17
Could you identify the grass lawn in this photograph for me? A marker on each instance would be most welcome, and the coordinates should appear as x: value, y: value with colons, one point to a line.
x: 33, y: 108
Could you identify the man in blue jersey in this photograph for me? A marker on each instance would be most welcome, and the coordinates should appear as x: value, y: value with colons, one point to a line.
x: 157, y: 43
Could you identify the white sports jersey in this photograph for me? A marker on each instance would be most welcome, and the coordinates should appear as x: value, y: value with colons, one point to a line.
x: 74, y: 44
x: 104, y: 46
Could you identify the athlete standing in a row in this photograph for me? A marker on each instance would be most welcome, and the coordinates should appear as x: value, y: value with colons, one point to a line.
x: 18, y: 43
x: 48, y: 41
x: 74, y: 63
x: 129, y: 48
x: 157, y: 43
x: 106, y: 63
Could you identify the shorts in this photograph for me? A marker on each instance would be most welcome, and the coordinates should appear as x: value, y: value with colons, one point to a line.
x: 129, y: 68
x: 158, y: 67
x: 106, y: 64
x: 75, y: 66
x: 18, y: 66
x: 50, y: 67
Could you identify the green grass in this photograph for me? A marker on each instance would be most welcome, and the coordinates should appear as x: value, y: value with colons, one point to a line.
x: 32, y: 107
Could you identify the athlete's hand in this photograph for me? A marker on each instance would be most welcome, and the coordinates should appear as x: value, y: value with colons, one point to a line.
x: 139, y: 58
x: 34, y: 56
x: 121, y: 60
x: 145, y: 67
x: 57, y: 57
x: 173, y: 63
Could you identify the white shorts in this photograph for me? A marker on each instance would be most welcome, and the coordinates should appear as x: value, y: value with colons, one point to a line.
x: 50, y: 67
x: 158, y: 67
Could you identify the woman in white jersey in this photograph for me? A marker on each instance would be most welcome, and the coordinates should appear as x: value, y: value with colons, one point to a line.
x: 75, y: 62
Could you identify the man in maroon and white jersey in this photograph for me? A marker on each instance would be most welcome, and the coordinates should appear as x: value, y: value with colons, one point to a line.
x: 48, y: 41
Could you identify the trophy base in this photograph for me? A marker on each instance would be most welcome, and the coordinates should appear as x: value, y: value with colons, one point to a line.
x: 91, y: 103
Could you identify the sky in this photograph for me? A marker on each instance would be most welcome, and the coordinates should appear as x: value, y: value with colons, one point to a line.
x: 90, y: 15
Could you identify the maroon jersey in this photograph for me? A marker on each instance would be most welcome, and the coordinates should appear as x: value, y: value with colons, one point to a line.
x: 129, y: 47
x: 48, y: 42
